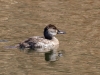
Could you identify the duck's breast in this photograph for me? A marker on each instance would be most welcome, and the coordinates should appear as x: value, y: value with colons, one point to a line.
x: 45, y: 45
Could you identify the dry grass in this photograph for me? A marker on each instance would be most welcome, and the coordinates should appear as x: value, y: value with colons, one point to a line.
x: 20, y: 19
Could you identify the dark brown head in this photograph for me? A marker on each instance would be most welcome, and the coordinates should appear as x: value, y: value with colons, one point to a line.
x: 50, y: 31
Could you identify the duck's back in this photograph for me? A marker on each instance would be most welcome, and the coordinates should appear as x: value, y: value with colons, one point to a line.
x: 39, y: 44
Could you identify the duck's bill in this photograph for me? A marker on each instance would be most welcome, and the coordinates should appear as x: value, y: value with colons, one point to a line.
x: 61, y: 32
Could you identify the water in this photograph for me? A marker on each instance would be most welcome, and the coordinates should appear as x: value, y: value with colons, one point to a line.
x: 20, y: 19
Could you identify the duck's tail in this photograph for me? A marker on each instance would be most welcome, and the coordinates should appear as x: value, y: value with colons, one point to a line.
x: 12, y: 47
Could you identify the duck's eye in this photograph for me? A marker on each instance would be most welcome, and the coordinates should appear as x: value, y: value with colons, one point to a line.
x: 54, y: 28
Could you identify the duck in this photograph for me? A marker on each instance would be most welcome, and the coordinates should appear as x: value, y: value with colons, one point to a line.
x: 47, y: 44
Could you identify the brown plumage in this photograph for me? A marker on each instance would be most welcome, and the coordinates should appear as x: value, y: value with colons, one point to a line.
x: 47, y: 44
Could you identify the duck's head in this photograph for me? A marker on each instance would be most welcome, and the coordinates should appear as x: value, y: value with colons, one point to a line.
x: 50, y: 31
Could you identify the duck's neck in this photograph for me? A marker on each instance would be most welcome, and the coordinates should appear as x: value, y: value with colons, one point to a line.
x: 50, y: 37
x: 47, y: 35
